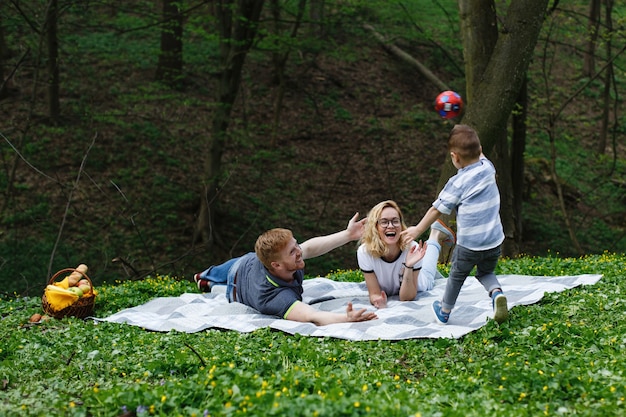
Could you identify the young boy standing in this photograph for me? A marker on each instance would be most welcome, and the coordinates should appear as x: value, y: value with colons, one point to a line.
x: 474, y: 194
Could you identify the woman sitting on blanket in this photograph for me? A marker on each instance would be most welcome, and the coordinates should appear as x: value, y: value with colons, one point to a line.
x: 391, y: 267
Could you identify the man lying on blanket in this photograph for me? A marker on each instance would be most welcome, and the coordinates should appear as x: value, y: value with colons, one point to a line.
x: 270, y: 278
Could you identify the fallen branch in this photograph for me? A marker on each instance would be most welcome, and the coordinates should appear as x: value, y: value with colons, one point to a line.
x: 399, y: 53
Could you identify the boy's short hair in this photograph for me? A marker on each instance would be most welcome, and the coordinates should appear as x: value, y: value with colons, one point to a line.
x: 464, y: 141
x: 270, y: 243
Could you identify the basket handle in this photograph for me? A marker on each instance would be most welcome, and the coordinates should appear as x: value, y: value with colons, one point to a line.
x: 69, y: 270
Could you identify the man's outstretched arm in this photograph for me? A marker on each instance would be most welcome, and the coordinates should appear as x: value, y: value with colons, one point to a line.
x: 320, y: 245
x: 305, y: 313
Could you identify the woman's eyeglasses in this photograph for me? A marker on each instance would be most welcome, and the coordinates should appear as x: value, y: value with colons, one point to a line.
x: 386, y: 222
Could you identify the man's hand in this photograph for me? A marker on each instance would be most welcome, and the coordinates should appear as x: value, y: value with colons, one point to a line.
x: 361, y: 315
x: 379, y: 301
x: 356, y: 227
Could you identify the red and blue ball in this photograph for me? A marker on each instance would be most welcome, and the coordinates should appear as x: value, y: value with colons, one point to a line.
x: 449, y: 104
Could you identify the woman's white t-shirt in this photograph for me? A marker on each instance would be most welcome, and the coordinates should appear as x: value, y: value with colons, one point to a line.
x: 389, y: 274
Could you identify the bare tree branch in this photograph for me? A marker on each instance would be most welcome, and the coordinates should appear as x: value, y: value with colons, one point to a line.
x: 399, y: 53
x: 69, y: 203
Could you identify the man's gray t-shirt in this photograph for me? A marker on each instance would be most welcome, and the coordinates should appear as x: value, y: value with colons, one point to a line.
x: 259, y: 289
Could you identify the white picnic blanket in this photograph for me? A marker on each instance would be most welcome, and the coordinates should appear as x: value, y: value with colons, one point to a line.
x: 400, y: 320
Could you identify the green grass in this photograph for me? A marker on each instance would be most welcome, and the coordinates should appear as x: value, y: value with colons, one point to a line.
x: 561, y: 356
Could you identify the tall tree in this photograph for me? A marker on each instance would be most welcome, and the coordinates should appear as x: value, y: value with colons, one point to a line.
x: 316, y: 16
x: 237, y: 24
x: 518, y: 148
x: 4, y: 54
x: 479, y: 30
x: 608, y: 79
x: 281, y: 54
x: 499, y: 86
x: 589, y: 62
x: 497, y: 73
x: 50, y: 25
x: 170, y: 65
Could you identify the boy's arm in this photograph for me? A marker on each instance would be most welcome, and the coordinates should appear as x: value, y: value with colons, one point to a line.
x: 413, y: 232
x: 320, y: 245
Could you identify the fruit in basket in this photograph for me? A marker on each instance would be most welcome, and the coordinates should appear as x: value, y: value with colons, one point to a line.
x: 76, y: 291
x: 85, y: 286
x: 71, y: 301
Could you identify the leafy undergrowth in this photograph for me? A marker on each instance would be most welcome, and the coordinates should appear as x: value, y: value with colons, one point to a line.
x: 561, y: 356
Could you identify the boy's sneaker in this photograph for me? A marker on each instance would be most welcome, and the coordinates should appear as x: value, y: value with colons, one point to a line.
x: 442, y: 227
x: 439, y: 314
x: 203, y: 284
x: 500, y: 308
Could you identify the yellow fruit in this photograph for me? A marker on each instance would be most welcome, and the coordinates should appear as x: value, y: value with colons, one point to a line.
x: 86, y: 289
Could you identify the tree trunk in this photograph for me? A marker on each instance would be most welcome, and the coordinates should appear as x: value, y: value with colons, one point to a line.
x: 279, y: 59
x: 498, y: 89
x: 54, y: 107
x: 4, y: 54
x: 170, y: 66
x: 518, y: 148
x: 608, y: 80
x: 502, y: 160
x: 237, y: 27
x: 593, y: 24
x: 479, y: 33
x: 496, y: 66
x: 316, y: 15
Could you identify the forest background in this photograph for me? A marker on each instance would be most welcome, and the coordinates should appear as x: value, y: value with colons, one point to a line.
x: 106, y: 137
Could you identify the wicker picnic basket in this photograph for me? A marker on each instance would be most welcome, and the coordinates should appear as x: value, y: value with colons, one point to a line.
x: 81, y: 308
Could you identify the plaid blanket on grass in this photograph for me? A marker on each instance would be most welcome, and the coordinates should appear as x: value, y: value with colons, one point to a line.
x: 400, y: 320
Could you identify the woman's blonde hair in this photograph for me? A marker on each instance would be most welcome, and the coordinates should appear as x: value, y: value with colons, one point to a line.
x: 371, y: 238
x: 269, y: 245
